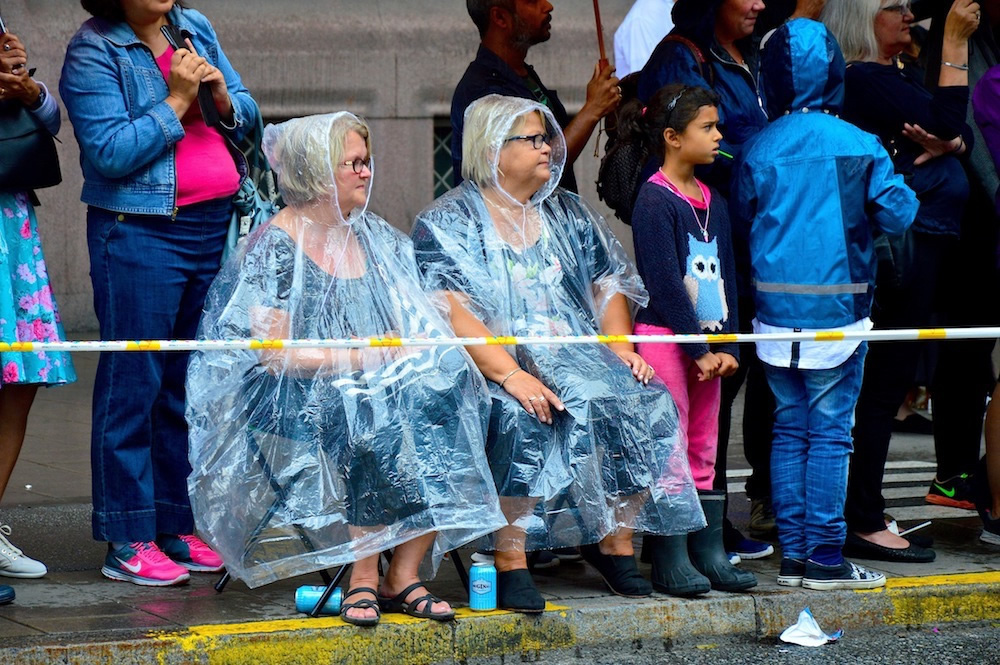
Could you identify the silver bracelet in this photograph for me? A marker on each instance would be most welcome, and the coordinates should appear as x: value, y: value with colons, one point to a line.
x: 510, y: 374
x: 964, y: 68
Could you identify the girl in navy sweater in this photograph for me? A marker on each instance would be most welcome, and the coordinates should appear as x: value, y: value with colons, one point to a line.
x: 684, y: 253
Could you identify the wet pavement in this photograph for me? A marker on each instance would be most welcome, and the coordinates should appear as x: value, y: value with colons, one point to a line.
x: 47, y: 506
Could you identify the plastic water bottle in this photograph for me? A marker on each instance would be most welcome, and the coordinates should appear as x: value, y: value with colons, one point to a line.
x: 307, y: 596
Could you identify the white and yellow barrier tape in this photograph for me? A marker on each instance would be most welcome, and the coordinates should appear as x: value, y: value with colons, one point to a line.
x: 899, y: 335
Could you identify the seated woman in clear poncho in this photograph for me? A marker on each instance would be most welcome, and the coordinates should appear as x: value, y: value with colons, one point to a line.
x: 335, y: 454
x: 583, y: 442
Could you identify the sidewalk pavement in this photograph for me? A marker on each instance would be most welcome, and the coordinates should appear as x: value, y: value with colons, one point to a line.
x: 73, y: 615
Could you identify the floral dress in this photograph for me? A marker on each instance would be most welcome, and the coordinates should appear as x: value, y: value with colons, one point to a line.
x: 28, y: 311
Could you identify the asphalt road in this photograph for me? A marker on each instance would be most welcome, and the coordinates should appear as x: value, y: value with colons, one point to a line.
x: 965, y: 644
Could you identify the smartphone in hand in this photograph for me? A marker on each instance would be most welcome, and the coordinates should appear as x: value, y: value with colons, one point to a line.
x: 178, y: 39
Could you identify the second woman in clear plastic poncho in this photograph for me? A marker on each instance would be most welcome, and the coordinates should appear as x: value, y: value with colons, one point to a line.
x: 583, y: 446
x: 306, y: 459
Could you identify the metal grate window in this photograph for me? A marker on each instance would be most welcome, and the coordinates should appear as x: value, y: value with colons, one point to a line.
x: 442, y: 156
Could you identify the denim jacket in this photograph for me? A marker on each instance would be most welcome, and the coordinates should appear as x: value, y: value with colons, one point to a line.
x: 116, y: 98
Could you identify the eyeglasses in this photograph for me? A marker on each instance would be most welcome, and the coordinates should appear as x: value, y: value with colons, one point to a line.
x: 903, y: 8
x: 536, y: 140
x: 359, y: 164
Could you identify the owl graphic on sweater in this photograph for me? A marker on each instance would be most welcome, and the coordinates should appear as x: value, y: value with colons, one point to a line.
x: 704, y: 284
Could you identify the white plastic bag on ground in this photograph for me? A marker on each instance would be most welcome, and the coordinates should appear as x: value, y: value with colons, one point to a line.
x: 807, y: 633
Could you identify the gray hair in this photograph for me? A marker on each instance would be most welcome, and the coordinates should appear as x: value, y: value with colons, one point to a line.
x: 479, y: 12
x: 305, y: 158
x: 480, y: 151
x: 852, y: 23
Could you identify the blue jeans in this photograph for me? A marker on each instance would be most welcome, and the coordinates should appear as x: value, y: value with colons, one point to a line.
x: 813, y: 418
x: 150, y: 277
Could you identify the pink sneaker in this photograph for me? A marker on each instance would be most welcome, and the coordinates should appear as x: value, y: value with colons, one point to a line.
x: 143, y: 564
x: 191, y: 552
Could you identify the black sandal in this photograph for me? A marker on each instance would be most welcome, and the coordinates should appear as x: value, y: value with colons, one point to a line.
x: 398, y: 604
x: 363, y: 604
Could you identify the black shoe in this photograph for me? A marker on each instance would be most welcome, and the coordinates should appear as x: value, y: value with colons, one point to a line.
x: 568, y: 554
x: 792, y: 572
x: 542, y: 560
x: 856, y: 546
x: 516, y: 592
x: 955, y: 492
x: 620, y: 573
x: 846, y: 575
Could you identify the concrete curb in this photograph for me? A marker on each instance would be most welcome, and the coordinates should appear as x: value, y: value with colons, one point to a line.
x: 645, y: 628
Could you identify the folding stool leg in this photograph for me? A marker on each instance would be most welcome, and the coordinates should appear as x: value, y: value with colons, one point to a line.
x: 328, y: 591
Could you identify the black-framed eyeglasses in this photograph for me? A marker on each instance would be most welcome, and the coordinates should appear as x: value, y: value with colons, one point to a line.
x: 537, y: 140
x: 359, y: 164
x: 903, y: 8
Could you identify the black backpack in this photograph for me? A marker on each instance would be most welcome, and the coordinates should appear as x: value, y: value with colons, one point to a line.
x: 624, y: 159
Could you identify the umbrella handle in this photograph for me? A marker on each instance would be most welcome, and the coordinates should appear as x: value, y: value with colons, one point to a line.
x: 600, y: 35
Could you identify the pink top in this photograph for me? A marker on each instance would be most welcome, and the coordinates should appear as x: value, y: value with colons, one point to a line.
x: 205, y: 167
x: 659, y: 179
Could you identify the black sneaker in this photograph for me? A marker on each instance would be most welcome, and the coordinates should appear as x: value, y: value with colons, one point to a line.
x: 542, y: 560
x: 792, y: 572
x: 846, y: 575
x: 568, y: 554
x: 955, y: 492
x: 991, y: 528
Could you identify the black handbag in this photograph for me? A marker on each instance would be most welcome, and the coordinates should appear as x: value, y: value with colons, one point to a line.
x: 28, y: 157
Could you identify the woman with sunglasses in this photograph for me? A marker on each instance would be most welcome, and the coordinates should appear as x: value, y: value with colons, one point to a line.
x: 925, y: 131
x: 583, y: 441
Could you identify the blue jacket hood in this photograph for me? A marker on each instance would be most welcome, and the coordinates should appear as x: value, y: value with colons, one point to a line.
x: 802, y: 68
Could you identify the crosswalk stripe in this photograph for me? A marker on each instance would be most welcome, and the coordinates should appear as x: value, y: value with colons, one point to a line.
x: 905, y: 482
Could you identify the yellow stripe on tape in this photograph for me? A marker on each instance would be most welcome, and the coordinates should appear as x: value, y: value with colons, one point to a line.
x: 16, y: 346
x: 501, y: 341
x: 258, y: 344
x: 723, y: 339
x: 143, y: 345
x: 830, y: 336
x: 612, y: 339
x: 933, y: 333
x: 386, y: 341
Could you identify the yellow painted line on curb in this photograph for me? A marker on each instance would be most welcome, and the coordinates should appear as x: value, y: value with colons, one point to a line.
x: 939, y: 580
x: 211, y: 631
x: 959, y: 603
x: 959, y: 579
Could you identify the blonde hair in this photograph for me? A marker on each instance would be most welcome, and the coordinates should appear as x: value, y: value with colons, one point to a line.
x: 852, y: 23
x: 483, y: 127
x: 305, y: 163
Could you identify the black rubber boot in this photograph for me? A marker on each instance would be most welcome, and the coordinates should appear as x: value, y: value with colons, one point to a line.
x: 706, y: 550
x: 673, y: 572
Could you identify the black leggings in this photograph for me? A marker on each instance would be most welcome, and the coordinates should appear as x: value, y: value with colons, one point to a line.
x: 889, y: 373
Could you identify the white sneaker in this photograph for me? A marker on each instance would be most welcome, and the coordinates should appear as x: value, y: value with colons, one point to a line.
x: 13, y: 562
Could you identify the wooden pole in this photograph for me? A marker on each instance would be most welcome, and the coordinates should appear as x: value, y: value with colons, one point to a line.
x: 600, y: 34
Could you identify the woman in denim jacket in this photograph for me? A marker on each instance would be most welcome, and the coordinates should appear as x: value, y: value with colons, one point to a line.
x: 159, y: 182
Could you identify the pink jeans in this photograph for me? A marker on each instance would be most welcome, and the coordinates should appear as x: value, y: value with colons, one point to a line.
x: 697, y: 402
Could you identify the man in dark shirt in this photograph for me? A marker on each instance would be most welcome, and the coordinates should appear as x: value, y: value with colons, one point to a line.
x: 507, y: 29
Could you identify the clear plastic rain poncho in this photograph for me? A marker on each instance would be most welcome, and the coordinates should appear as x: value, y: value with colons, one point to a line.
x: 615, y: 457
x: 307, y: 459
